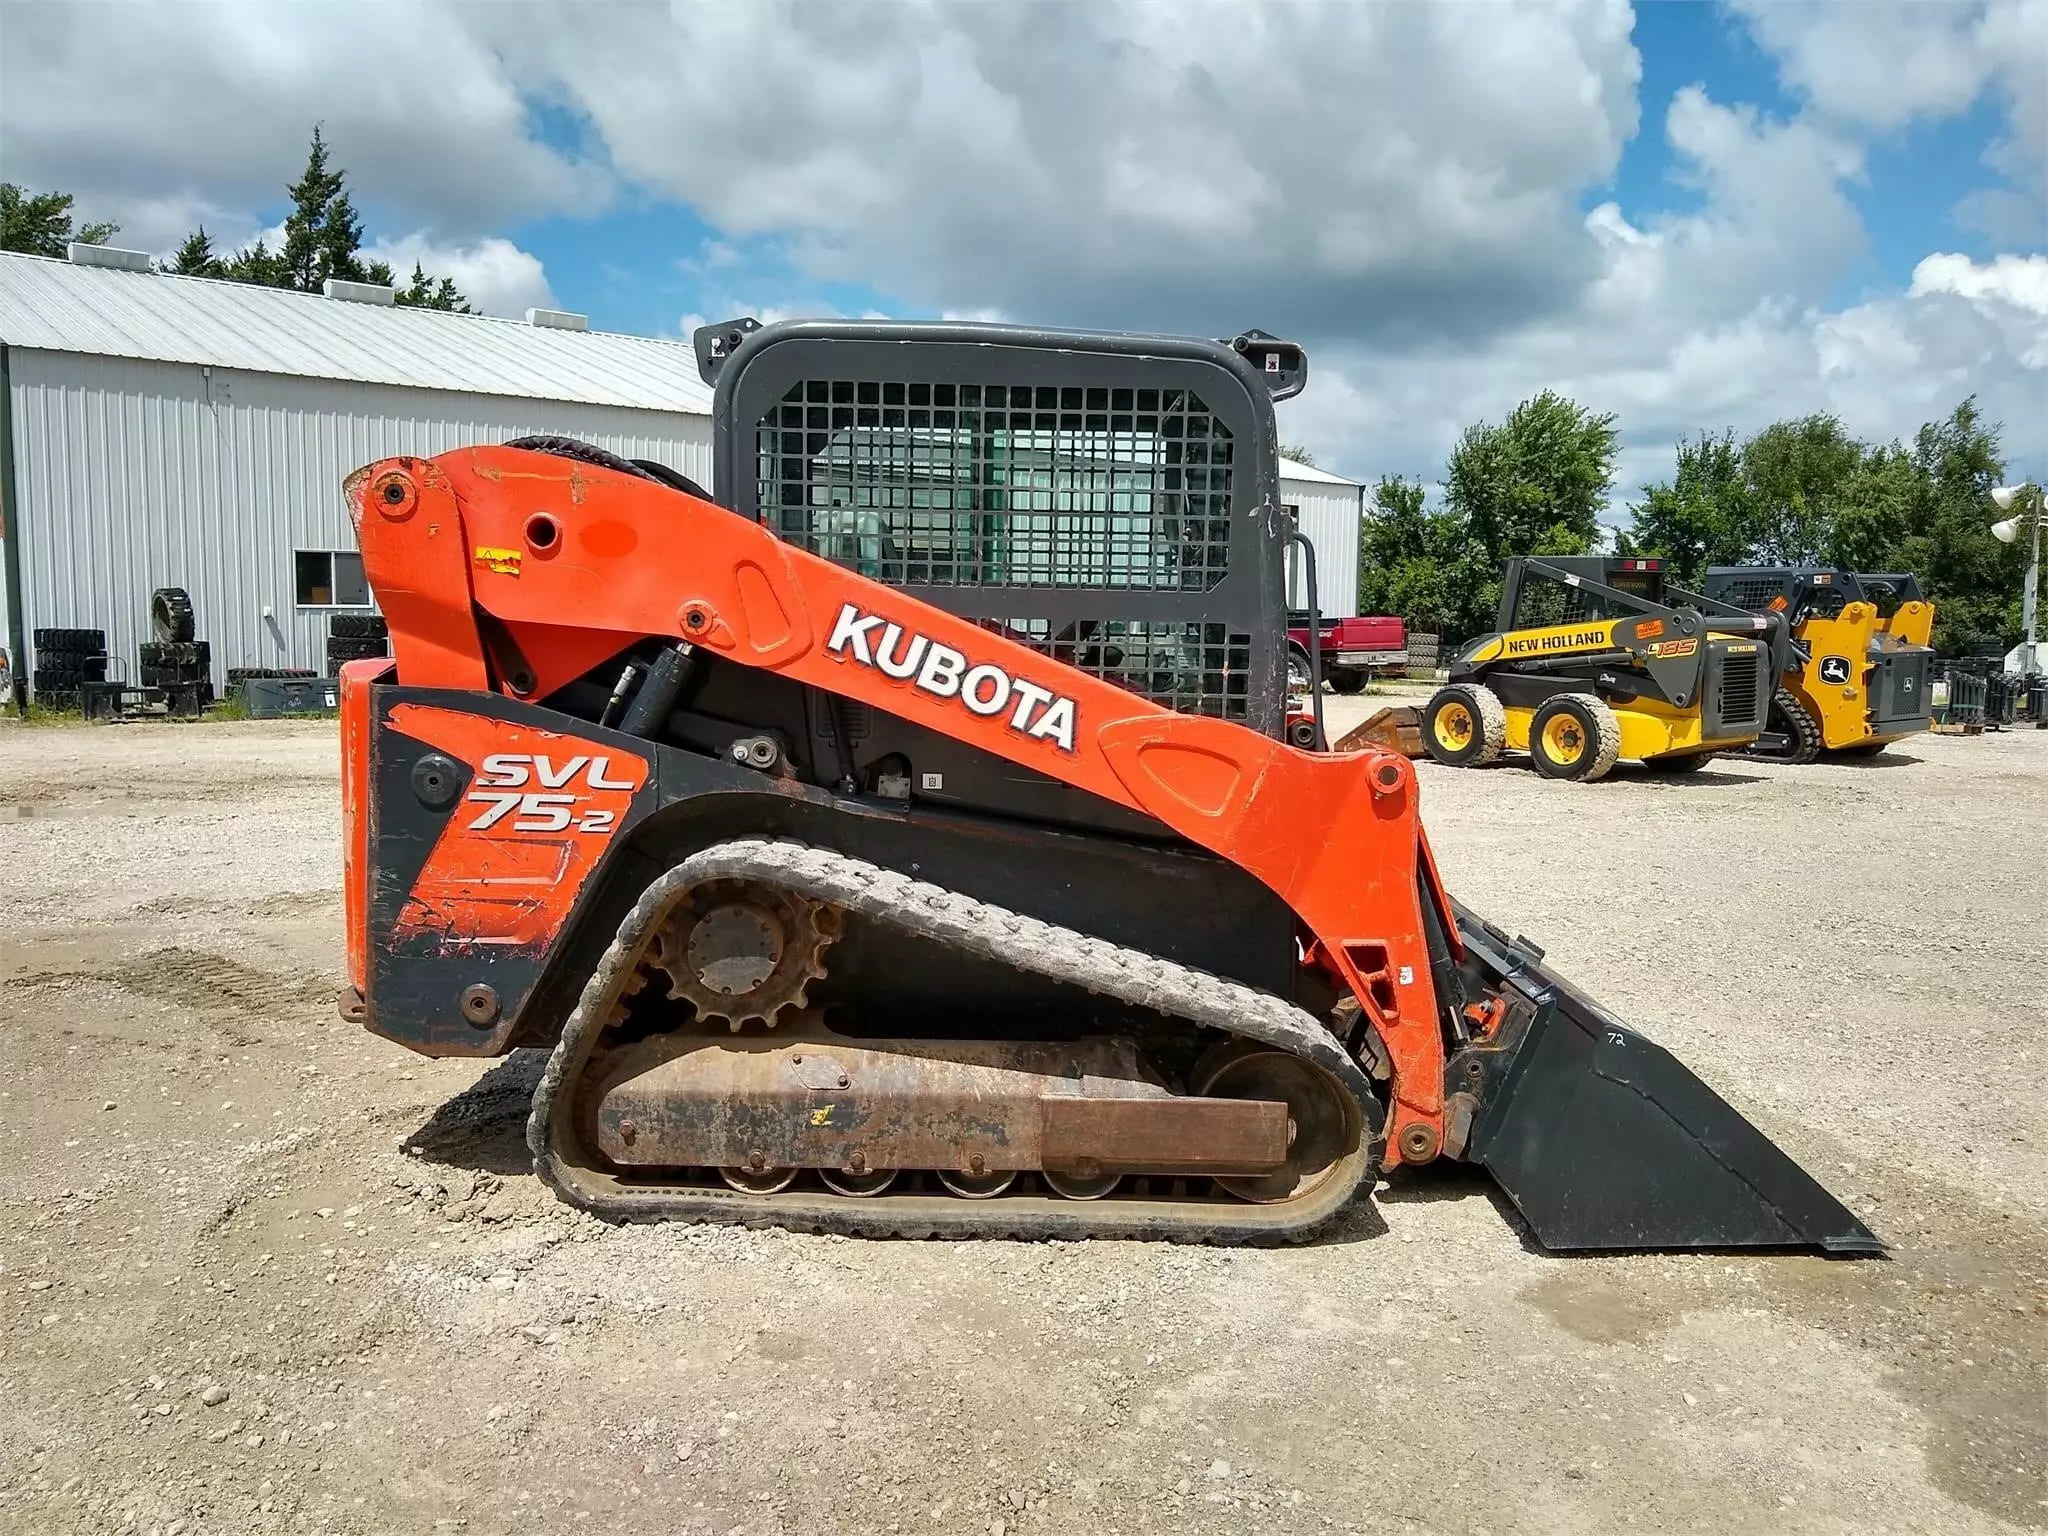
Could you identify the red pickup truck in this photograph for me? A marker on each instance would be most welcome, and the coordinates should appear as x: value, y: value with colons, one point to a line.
x: 1353, y: 649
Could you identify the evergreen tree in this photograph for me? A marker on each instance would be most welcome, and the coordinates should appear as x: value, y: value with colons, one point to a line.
x: 323, y: 238
x: 196, y: 257
x: 39, y: 223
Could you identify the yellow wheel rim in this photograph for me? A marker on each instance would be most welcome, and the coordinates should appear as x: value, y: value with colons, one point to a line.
x: 1564, y: 739
x: 1453, y: 727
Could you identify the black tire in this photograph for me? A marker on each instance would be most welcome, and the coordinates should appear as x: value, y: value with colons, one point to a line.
x: 674, y: 479
x: 170, y: 615
x: 356, y: 626
x: 1464, y: 726
x: 1681, y: 762
x: 70, y: 642
x: 582, y: 452
x: 178, y: 653
x: 1574, y: 736
x: 1345, y: 680
x: 340, y: 651
x: 1297, y: 669
x: 1791, y: 734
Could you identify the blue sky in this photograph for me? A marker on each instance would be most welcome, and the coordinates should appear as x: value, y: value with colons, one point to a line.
x: 1694, y: 215
x: 636, y: 268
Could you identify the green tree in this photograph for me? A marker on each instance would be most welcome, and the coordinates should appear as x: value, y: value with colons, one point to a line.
x: 1297, y: 453
x: 323, y: 238
x: 1704, y: 515
x: 322, y: 233
x: 1534, y: 485
x: 1973, y: 579
x: 1414, y: 563
x: 424, y: 292
x: 196, y: 257
x: 1801, y: 474
x: 39, y: 223
x: 1804, y: 492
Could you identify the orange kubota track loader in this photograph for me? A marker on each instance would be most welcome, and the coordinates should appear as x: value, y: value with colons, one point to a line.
x: 903, y: 840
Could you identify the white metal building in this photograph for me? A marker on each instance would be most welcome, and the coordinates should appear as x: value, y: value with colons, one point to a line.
x: 1328, y: 508
x: 173, y: 431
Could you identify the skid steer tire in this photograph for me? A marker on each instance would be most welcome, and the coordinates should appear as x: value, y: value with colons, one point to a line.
x: 1465, y: 726
x: 1574, y: 736
x: 1345, y: 680
x: 170, y: 615
x: 1797, y: 733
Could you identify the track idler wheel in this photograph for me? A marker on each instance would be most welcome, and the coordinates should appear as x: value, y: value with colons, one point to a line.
x: 1316, y: 1117
x: 758, y: 1181
x: 860, y: 1185
x: 1074, y: 1186
x: 978, y: 1186
x: 744, y: 954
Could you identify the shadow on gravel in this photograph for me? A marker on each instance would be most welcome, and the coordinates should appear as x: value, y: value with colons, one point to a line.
x: 484, y: 1127
x: 1443, y: 1180
x: 1702, y: 778
x: 1878, y: 760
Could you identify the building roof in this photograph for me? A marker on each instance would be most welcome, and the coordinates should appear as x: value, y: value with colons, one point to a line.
x: 58, y: 307
x: 1294, y: 469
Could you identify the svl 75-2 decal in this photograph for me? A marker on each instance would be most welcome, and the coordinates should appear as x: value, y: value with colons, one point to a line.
x: 501, y: 790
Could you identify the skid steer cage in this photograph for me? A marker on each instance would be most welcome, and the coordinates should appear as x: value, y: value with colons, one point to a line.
x: 1604, y: 1141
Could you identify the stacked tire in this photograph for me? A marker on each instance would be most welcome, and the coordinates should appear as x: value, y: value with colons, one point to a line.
x: 176, y: 665
x: 176, y: 662
x: 355, y: 636
x: 66, y: 660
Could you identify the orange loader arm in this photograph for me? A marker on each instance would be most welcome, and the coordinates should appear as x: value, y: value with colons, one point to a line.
x: 506, y: 569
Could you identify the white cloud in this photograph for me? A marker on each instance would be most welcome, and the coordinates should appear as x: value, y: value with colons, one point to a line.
x: 1882, y: 64
x: 1360, y: 169
x: 1718, y: 319
x: 158, y: 115
x: 2018, y: 281
x: 1401, y: 187
x: 495, y: 275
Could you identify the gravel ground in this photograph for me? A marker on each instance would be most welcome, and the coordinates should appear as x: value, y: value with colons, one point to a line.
x: 261, y: 1272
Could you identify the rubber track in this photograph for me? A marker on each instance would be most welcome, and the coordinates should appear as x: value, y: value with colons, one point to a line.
x: 1132, y: 976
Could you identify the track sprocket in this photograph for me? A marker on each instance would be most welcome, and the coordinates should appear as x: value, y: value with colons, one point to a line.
x: 744, y: 952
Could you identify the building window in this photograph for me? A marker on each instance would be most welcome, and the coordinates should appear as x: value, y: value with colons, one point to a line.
x: 330, y: 578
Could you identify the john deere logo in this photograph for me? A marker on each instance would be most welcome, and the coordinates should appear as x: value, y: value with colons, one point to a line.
x: 1834, y: 669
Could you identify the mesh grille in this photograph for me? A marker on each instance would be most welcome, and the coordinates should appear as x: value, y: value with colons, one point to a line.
x: 1545, y: 601
x: 1196, y: 668
x: 1752, y: 593
x: 1000, y: 485
x: 1740, y: 693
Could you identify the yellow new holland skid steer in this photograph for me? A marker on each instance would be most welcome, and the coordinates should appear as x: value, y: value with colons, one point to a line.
x: 1857, y: 676
x: 1596, y: 660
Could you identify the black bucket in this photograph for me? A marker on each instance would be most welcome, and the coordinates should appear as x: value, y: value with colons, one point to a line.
x: 1603, y: 1140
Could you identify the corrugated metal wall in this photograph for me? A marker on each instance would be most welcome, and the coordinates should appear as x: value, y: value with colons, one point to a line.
x: 1328, y: 514
x: 136, y: 475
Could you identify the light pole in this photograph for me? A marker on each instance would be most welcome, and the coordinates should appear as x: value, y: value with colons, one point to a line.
x: 2020, y: 500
